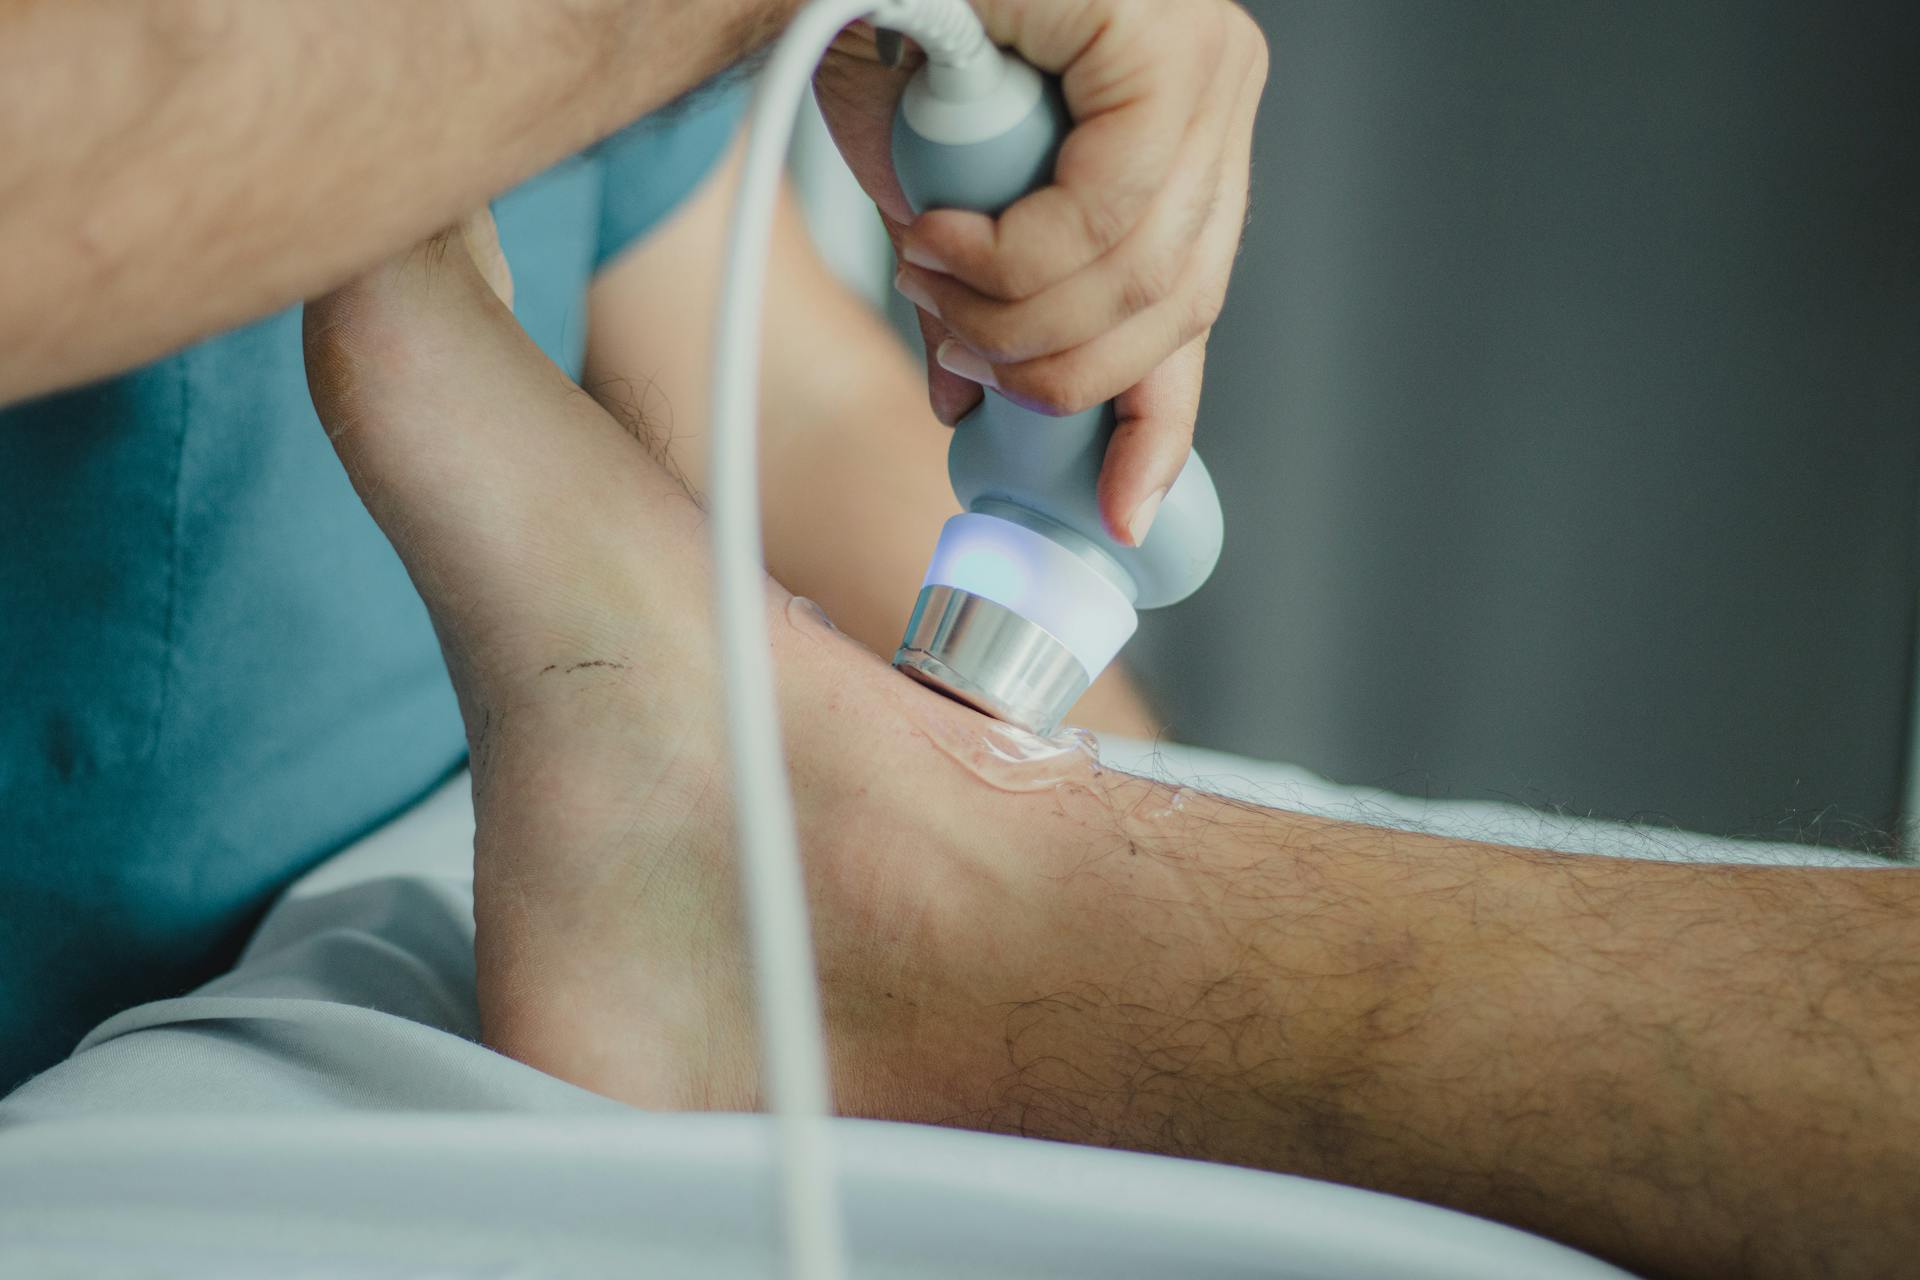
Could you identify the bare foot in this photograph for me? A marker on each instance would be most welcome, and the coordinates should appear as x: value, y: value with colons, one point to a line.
x: 1080, y: 961
x: 567, y: 577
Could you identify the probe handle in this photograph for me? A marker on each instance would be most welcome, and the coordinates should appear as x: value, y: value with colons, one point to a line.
x: 983, y: 155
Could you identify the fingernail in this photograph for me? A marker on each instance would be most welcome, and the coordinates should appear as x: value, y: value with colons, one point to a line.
x: 912, y: 290
x: 1143, y: 515
x: 952, y: 356
x: 927, y: 258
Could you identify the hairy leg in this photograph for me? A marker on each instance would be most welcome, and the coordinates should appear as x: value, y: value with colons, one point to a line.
x: 1692, y: 1070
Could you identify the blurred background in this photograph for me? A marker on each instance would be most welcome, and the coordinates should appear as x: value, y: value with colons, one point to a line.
x: 1566, y: 412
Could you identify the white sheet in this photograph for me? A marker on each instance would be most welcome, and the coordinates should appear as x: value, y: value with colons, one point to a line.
x: 348, y: 1027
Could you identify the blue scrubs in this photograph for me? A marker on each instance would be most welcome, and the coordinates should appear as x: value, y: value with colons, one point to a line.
x: 213, y: 670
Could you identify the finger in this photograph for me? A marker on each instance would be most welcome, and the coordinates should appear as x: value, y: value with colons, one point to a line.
x: 1152, y: 264
x: 1101, y: 368
x: 1051, y: 36
x: 1110, y: 169
x: 1069, y: 315
x: 1153, y: 435
x: 1090, y: 374
x: 1129, y: 165
x: 1132, y: 99
x: 1150, y: 443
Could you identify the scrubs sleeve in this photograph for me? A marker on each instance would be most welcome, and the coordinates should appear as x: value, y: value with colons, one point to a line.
x: 653, y: 165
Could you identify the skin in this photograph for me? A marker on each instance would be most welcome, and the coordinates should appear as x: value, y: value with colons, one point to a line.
x: 1690, y: 1070
x: 172, y: 168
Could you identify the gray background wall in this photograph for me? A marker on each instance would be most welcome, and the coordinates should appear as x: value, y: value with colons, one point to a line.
x: 1566, y: 414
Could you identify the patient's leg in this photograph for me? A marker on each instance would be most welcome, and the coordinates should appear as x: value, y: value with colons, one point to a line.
x: 1689, y: 1069
x: 566, y: 573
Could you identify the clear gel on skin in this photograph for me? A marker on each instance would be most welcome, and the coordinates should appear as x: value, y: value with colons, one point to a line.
x: 807, y: 616
x: 1004, y: 756
x: 1008, y: 758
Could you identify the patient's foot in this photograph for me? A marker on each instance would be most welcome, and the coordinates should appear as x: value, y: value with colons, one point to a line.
x: 567, y: 576
x: 1507, y: 1032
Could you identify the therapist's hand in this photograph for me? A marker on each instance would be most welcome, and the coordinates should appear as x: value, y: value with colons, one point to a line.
x: 1106, y: 284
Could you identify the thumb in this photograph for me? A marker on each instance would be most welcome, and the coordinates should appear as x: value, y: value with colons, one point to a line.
x: 1150, y: 442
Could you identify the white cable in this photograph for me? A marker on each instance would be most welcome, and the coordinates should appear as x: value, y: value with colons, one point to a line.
x: 793, y: 1052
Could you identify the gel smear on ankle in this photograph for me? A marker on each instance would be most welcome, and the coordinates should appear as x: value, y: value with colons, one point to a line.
x: 1004, y: 756
x: 1008, y: 758
x: 806, y: 616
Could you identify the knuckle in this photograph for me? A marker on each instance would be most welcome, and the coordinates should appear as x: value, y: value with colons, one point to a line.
x: 1009, y: 277
x: 1103, y: 222
x: 1018, y: 334
x: 1031, y: 387
x: 1246, y: 26
x: 965, y: 322
x: 1054, y: 386
x: 1241, y: 38
x: 991, y: 344
x: 995, y: 331
x: 1204, y: 310
x: 1153, y: 278
x: 1218, y: 37
x: 1250, y: 37
x: 1136, y: 295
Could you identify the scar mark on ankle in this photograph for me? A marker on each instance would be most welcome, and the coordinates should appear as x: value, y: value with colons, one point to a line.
x: 598, y: 663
